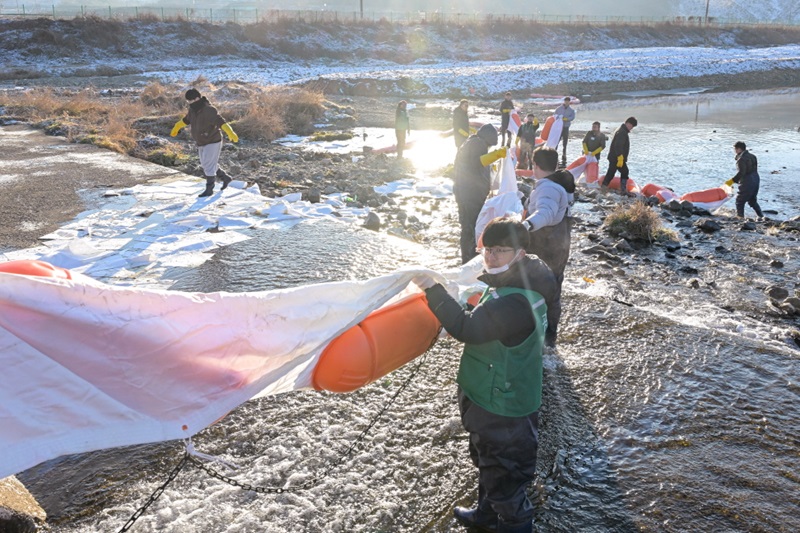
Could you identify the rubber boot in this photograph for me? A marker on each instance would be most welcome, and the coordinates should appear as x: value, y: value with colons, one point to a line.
x: 476, y: 519
x: 521, y: 527
x: 209, y: 187
x: 226, y: 179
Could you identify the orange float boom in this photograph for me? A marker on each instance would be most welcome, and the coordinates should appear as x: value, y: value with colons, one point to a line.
x: 384, y: 341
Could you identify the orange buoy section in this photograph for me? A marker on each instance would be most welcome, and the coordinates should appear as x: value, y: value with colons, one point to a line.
x: 592, y: 172
x: 578, y: 162
x: 547, y: 125
x: 651, y: 189
x: 384, y: 341
x: 29, y: 267
x: 615, y: 184
x: 709, y: 195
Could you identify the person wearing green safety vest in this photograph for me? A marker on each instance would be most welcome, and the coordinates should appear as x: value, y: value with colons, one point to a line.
x: 500, y: 374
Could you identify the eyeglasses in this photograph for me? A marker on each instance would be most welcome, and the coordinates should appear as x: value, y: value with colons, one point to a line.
x: 495, y: 250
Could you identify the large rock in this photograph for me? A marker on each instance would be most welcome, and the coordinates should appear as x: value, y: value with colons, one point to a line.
x: 19, y: 511
x: 707, y: 225
x: 777, y: 293
x: 373, y: 221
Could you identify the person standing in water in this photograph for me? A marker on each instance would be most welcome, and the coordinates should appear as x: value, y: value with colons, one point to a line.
x: 506, y: 107
x: 402, y: 128
x: 500, y: 374
x: 748, y: 180
x: 461, y: 128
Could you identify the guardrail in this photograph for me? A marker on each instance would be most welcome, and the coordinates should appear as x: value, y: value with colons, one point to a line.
x: 255, y: 15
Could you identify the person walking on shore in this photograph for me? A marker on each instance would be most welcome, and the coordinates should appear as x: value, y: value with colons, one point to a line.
x: 549, y: 225
x: 205, y: 125
x: 618, y: 156
x: 567, y: 114
x: 472, y: 183
x: 401, y: 127
x: 506, y: 107
x: 748, y: 179
x: 461, y: 128
x: 504, y: 333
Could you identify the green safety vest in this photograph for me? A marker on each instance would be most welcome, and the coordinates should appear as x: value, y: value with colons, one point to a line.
x: 506, y: 380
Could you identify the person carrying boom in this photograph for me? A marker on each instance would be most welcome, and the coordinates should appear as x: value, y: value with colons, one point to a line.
x: 472, y: 183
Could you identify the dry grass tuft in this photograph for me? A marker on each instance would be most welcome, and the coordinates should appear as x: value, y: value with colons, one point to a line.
x: 280, y: 110
x: 162, y: 98
x: 118, y: 123
x: 639, y: 222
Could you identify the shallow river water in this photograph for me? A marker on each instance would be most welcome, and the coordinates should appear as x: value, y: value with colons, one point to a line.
x: 657, y: 416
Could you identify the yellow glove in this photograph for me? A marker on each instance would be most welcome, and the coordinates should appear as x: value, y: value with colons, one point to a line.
x: 177, y: 127
x: 597, y: 152
x: 462, y: 132
x: 473, y: 131
x: 230, y: 133
x: 565, y: 119
x: 536, y: 122
x: 491, y: 157
x: 516, y: 142
x: 621, y: 162
x: 585, y: 149
x: 729, y: 183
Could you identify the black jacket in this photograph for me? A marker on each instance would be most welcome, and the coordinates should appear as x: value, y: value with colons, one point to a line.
x: 620, y: 144
x: 527, y: 132
x: 506, y: 106
x: 460, y: 122
x: 508, y: 319
x: 746, y: 164
x: 470, y: 176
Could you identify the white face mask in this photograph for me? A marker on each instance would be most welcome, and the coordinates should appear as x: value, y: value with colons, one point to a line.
x: 501, y: 269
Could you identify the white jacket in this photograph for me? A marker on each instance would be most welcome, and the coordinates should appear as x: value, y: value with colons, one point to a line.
x: 548, y: 204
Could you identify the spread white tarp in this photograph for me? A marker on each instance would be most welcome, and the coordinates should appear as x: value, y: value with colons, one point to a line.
x: 87, y: 366
x: 507, y: 201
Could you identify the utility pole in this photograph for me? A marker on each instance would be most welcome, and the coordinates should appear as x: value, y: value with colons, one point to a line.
x: 707, y: 2
x: 362, y: 9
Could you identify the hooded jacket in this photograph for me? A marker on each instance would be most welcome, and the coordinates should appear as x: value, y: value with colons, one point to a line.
x: 470, y: 176
x: 746, y: 164
x: 205, y: 122
x: 549, y: 202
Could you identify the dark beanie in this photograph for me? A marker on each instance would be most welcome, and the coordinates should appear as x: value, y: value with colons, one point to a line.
x: 191, y: 94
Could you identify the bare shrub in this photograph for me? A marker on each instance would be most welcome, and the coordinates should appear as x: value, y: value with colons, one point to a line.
x: 165, y: 99
x: 637, y: 221
x: 277, y: 111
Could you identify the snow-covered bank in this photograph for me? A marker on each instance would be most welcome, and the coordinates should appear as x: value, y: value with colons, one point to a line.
x: 488, y: 78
